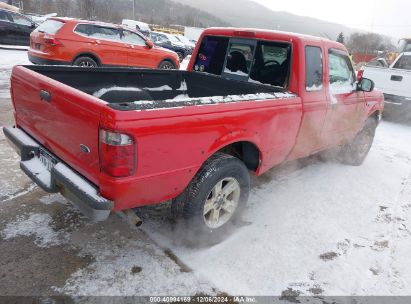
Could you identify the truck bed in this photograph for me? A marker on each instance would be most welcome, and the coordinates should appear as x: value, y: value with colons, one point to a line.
x: 143, y: 89
x: 64, y: 109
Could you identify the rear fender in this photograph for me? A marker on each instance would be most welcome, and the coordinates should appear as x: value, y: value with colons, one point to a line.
x: 234, y: 136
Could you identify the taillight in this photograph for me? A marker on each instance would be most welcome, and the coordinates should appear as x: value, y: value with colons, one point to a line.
x: 117, y: 154
x: 360, y: 73
x: 49, y: 40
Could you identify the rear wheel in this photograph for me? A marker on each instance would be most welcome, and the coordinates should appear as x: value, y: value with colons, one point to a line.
x: 86, y: 62
x: 166, y: 65
x: 214, y: 199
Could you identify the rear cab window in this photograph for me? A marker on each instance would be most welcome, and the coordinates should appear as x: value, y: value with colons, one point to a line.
x: 258, y: 61
x: 50, y: 27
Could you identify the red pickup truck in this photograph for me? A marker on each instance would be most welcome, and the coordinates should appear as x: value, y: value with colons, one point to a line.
x: 112, y: 139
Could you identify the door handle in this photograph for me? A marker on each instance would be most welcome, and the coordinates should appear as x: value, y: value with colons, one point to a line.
x: 396, y: 78
x: 45, y: 96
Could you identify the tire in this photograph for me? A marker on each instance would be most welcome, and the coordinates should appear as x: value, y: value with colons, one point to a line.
x: 208, y: 213
x: 167, y: 65
x: 356, y: 150
x: 180, y: 56
x: 86, y: 62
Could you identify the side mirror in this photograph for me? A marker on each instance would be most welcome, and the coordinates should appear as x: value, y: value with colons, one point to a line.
x: 149, y: 44
x: 365, y: 85
x: 33, y: 25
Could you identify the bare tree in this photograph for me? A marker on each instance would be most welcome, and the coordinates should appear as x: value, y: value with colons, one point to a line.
x: 87, y: 8
x: 369, y: 43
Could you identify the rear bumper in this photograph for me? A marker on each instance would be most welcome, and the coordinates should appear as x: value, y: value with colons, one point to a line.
x: 39, y: 60
x: 60, y: 178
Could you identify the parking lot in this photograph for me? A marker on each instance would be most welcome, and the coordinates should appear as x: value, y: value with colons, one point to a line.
x: 310, y: 228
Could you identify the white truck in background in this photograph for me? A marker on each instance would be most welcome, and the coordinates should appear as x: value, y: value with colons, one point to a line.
x: 395, y: 82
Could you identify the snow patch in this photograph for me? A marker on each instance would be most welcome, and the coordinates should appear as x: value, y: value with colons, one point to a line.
x: 37, y: 225
x: 52, y: 198
x: 143, y: 102
x: 162, y: 88
x: 111, y: 274
x: 185, y: 100
x: 314, y: 88
x: 103, y: 91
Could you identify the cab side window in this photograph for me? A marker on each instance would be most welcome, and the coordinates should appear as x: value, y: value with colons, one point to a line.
x: 341, y: 71
x: 313, y: 69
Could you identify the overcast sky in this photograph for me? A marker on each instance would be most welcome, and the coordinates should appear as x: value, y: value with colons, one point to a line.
x: 391, y: 17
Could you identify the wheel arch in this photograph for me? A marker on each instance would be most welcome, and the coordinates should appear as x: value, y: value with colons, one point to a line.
x: 170, y: 59
x: 87, y: 54
x: 376, y: 115
x: 245, y: 150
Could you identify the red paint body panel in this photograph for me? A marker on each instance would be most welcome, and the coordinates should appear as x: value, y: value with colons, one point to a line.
x: 107, y: 52
x: 172, y: 144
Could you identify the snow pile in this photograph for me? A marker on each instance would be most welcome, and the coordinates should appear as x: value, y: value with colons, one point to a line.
x: 157, y: 89
x: 13, y: 182
x: 314, y: 88
x: 37, y: 225
x: 183, y: 100
x: 103, y: 91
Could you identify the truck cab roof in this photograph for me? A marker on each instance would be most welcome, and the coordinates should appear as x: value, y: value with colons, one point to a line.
x: 254, y: 33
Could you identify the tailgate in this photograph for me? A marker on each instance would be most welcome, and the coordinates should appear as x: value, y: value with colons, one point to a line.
x: 62, y: 119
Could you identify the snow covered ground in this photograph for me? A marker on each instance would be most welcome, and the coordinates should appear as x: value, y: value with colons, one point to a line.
x: 310, y: 228
x: 9, y: 58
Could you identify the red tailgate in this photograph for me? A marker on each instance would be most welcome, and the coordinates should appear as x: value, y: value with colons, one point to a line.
x: 64, y: 120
